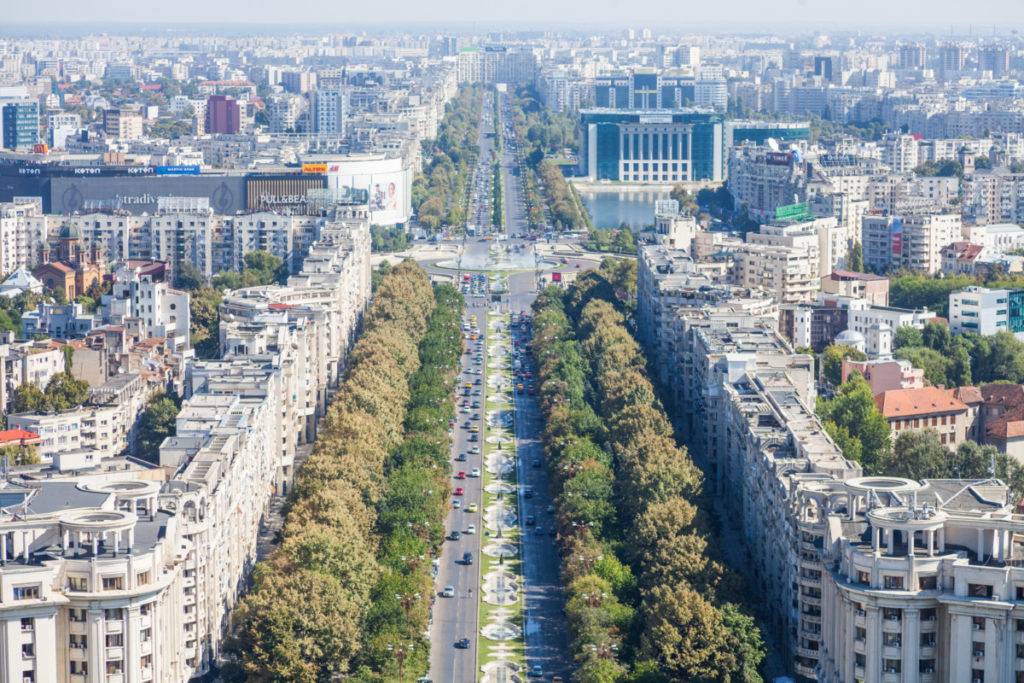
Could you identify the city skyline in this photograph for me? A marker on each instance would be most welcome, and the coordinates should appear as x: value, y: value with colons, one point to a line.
x: 984, y: 17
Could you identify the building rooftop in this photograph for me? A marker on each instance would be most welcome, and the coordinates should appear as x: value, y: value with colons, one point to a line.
x: 914, y: 402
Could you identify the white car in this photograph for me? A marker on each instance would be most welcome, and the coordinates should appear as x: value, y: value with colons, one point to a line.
x: 471, y: 529
x: 448, y: 592
x: 456, y: 503
x: 475, y: 472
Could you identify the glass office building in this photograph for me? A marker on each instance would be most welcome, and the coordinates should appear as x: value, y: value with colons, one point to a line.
x: 652, y: 146
x: 19, y: 124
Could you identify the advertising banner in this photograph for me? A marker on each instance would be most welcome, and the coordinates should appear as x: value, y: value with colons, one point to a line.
x: 314, y: 168
x: 897, y: 236
x: 385, y: 182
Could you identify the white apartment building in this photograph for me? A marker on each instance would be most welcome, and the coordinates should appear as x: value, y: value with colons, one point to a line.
x: 92, y: 585
x: 786, y: 259
x: 115, y: 574
x: 994, y: 196
x: 923, y: 582
x: 104, y: 430
x: 330, y: 111
x: 164, y: 312
x: 913, y: 241
x: 987, y: 311
x: 211, y: 242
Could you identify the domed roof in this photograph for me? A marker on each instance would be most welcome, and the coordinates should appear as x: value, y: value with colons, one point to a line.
x: 70, y: 232
x: 850, y: 337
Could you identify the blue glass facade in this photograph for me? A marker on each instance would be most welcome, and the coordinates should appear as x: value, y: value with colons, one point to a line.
x: 609, y: 137
x: 19, y: 123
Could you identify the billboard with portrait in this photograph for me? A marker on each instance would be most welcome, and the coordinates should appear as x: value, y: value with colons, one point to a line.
x: 385, y: 181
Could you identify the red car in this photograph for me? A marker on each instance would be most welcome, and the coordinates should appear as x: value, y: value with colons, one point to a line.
x: 460, y: 475
x: 459, y: 491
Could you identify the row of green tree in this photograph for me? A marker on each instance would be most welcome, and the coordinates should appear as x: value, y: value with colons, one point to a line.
x: 911, y: 289
x: 307, y: 615
x: 648, y: 595
x: 439, y: 193
x: 961, y: 360
x: 543, y: 133
x: 388, y: 239
x: 497, y: 198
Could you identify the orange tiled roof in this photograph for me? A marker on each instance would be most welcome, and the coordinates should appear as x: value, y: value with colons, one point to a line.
x: 899, y: 403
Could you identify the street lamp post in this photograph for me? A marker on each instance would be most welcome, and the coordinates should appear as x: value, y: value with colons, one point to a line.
x: 400, y: 652
x: 407, y: 601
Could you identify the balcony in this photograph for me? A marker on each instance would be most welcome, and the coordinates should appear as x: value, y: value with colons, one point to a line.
x: 78, y: 652
x: 804, y: 670
x: 115, y: 653
x: 78, y: 628
x: 146, y: 647
x: 807, y: 652
x: 114, y: 627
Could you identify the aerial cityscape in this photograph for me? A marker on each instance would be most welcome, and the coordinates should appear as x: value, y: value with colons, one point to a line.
x: 459, y: 345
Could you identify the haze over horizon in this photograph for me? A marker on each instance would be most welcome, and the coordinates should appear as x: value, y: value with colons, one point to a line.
x: 981, y: 17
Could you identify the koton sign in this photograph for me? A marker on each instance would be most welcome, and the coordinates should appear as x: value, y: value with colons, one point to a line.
x: 314, y: 168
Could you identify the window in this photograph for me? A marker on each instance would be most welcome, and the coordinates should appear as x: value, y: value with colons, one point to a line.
x: 928, y: 614
x: 142, y: 579
x: 979, y: 590
x: 978, y: 649
x: 26, y: 592
x: 78, y: 642
x: 891, y: 666
x: 926, y: 666
x: 114, y: 614
x: 146, y: 609
x: 927, y: 583
x: 858, y: 660
x: 115, y: 640
x: 863, y: 577
x: 28, y: 624
x: 892, y: 613
x: 145, y: 634
x: 115, y: 666
x: 81, y: 668
x: 891, y: 639
x: 978, y: 623
x: 113, y: 583
x: 928, y: 639
x: 860, y: 633
x: 78, y: 583
x: 893, y: 582
x: 28, y: 650
x: 146, y: 662
x: 76, y: 615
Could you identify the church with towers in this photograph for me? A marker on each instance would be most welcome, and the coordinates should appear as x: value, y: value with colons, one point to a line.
x: 74, y: 269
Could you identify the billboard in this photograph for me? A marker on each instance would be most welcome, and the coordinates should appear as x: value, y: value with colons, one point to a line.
x: 314, y: 168
x: 778, y: 158
x: 897, y: 236
x: 177, y: 170
x: 386, y: 182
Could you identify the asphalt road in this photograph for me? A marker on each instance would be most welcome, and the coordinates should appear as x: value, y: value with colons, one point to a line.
x: 546, y: 628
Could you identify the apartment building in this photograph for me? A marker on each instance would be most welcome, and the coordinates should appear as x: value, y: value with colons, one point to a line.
x: 923, y: 583
x: 872, y: 288
x: 986, y: 311
x: 885, y: 375
x: 120, y: 572
x: 912, y: 241
x: 140, y: 292
x: 994, y: 196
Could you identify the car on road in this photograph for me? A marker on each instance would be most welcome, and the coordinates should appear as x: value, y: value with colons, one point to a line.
x: 448, y: 592
x: 462, y: 643
x: 456, y: 504
x: 536, y: 463
x: 530, y: 520
x: 475, y: 472
x: 471, y: 529
x: 475, y: 450
x: 538, y: 531
x: 472, y: 507
x: 551, y: 509
x: 461, y: 457
x: 460, y: 475
x: 454, y: 535
x: 459, y: 491
x: 467, y: 557
x: 528, y: 493
x: 537, y: 671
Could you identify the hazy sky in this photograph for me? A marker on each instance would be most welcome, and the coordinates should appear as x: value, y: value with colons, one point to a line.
x: 744, y: 14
